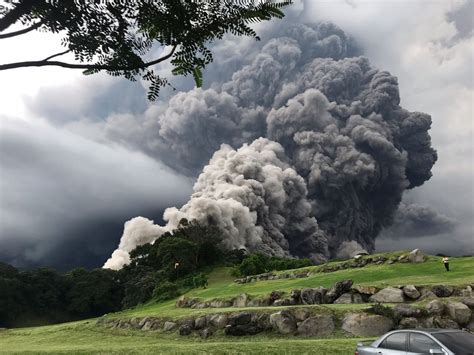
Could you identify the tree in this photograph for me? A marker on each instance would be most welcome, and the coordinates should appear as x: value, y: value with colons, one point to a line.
x: 119, y: 37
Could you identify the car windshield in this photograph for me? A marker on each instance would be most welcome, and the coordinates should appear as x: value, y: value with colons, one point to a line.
x: 457, y: 342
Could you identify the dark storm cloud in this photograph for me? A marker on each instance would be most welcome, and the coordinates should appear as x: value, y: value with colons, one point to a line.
x: 56, y: 187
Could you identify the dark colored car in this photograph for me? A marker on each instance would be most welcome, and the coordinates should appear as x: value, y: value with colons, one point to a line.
x: 421, y: 341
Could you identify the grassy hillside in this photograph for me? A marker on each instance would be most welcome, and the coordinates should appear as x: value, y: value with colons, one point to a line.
x: 87, y: 338
x: 221, y: 283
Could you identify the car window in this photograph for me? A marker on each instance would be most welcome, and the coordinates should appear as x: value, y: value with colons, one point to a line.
x: 420, y: 343
x: 458, y: 342
x: 395, y: 341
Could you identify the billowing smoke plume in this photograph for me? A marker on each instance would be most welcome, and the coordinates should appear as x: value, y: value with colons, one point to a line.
x: 338, y: 151
x: 413, y: 220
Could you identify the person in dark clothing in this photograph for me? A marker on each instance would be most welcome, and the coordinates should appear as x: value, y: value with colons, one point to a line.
x: 446, y: 263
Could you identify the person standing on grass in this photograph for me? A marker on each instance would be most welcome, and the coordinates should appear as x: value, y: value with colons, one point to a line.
x: 446, y: 263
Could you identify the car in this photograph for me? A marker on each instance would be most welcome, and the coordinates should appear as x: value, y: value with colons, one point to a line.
x: 421, y: 341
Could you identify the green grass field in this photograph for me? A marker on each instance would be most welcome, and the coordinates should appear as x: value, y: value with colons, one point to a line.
x: 85, y: 337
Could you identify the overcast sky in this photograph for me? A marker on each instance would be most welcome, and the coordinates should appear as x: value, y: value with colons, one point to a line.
x: 68, y: 182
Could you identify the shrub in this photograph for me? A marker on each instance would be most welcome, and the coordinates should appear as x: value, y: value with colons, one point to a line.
x: 165, y: 291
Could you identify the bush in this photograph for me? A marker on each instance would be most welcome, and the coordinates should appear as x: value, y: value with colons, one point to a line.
x: 165, y: 291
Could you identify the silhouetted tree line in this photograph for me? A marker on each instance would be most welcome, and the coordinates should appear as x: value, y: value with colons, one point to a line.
x: 174, y: 264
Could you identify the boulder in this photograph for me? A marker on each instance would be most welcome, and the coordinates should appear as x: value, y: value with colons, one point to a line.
x: 241, y: 300
x: 442, y: 290
x: 409, y: 323
x: 366, y: 290
x: 262, y: 320
x: 275, y: 295
x: 169, y: 326
x: 406, y: 310
x: 337, y: 290
x: 220, y: 304
x: 313, y: 295
x: 411, y: 292
x: 135, y: 323
x: 283, y: 322
x: 470, y: 326
x: 444, y: 323
x: 242, y: 330
x: 318, y: 326
x: 388, y: 295
x: 206, y: 333
x: 416, y: 256
x: 426, y: 295
x: 200, y: 305
x: 200, y: 322
x: 435, y: 308
x: 347, y: 298
x: 296, y: 295
x: 218, y: 320
x: 258, y: 302
x: 241, y: 318
x: 185, y: 329
x: 300, y: 314
x: 185, y: 302
x: 466, y: 292
x: 283, y: 302
x: 459, y: 312
x: 468, y: 302
x: 362, y: 324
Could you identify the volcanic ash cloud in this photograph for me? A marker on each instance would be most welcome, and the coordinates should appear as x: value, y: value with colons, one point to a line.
x: 337, y: 154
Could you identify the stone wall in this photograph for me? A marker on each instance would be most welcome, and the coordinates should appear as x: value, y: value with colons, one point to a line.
x: 310, y: 321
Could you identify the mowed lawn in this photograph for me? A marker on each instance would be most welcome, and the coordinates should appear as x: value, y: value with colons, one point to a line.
x: 86, y: 338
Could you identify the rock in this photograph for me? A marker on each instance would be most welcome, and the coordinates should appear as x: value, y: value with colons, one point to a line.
x: 442, y: 290
x: 218, y: 320
x: 468, y: 302
x: 206, y: 333
x: 435, y: 308
x: 296, y: 295
x: 402, y: 259
x: 185, y: 329
x: 406, y: 310
x: 416, y: 256
x: 220, y: 304
x: 258, y: 302
x: 241, y: 300
x: 411, y: 292
x: 282, y: 302
x: 347, y: 298
x: 313, y: 295
x: 388, y: 295
x: 466, y: 292
x: 409, y: 322
x: 283, y: 322
x: 337, y: 290
x: 459, y: 312
x: 184, y: 302
x: 275, y: 295
x: 169, y: 326
x: 362, y: 324
x: 470, y: 326
x: 366, y: 290
x: 262, y: 320
x: 300, y: 314
x: 241, y: 330
x: 317, y: 326
x: 240, y: 318
x: 444, y: 323
x: 200, y: 322
x: 426, y: 295
x: 134, y: 323
x: 200, y: 305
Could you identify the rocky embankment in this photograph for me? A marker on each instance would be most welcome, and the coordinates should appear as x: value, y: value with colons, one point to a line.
x: 310, y: 321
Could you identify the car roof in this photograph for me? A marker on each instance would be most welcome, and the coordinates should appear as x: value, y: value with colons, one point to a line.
x: 430, y: 330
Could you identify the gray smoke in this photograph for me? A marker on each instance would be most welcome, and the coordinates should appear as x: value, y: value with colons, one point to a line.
x: 339, y: 150
x: 414, y: 220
